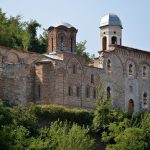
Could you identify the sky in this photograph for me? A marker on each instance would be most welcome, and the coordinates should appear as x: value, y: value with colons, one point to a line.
x: 85, y: 15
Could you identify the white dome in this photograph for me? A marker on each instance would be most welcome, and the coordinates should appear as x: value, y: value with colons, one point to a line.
x: 110, y: 20
x: 62, y: 24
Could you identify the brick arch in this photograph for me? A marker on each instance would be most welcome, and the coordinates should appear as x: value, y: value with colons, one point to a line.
x: 12, y: 58
x: 122, y: 65
x: 73, y: 59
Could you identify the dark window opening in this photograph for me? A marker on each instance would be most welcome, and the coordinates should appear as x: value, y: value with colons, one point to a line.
x: 108, y: 93
x: 71, y: 44
x: 120, y: 41
x: 77, y: 91
x: 70, y: 92
x: 74, y: 69
x: 94, y: 93
x: 114, y: 40
x: 104, y: 43
x: 144, y: 71
x: 130, y: 69
x: 92, y: 78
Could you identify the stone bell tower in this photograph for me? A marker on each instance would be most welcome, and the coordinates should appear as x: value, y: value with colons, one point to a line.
x: 62, y: 37
x: 110, y: 31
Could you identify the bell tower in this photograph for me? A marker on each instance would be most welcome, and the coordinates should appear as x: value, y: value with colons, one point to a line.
x: 110, y: 31
x: 62, y: 37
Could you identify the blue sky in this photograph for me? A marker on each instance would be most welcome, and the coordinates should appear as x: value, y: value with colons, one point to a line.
x: 85, y: 15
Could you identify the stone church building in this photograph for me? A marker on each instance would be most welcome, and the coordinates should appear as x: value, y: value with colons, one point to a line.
x: 64, y: 78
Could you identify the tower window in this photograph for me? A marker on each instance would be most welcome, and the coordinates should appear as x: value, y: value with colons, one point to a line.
x: 145, y: 100
x: 62, y: 42
x: 114, y: 40
x: 144, y: 71
x: 104, y: 43
x: 114, y: 32
x: 71, y: 44
x: 92, y: 78
x: 108, y: 65
x: 130, y: 69
x: 120, y: 41
x: 108, y: 93
x: 87, y: 92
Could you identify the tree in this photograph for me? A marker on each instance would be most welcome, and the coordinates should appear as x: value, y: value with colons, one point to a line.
x: 80, y: 50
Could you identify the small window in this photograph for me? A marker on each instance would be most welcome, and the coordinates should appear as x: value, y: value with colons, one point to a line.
x: 74, y: 69
x: 114, y: 32
x: 87, y: 92
x: 77, y: 91
x: 70, y: 92
x: 109, y: 65
x: 144, y: 71
x: 94, y: 93
x: 130, y: 69
x: 62, y: 42
x: 131, y: 88
x: 108, y: 92
x: 92, y: 78
x: 145, y: 100
x: 71, y: 44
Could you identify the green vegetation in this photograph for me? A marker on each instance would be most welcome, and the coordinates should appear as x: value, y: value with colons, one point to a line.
x: 80, y: 51
x: 17, y: 34
x: 55, y: 127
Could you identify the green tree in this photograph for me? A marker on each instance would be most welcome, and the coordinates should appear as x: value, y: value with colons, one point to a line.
x: 80, y: 50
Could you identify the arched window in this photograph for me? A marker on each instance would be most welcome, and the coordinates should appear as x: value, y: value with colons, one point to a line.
x: 145, y: 100
x: 144, y: 71
x: 108, y: 65
x: 94, y: 93
x: 74, y: 69
x: 104, y: 43
x: 114, y: 40
x: 130, y: 69
x: 71, y: 44
x: 77, y: 91
x: 108, y: 92
x: 92, y: 78
x: 87, y: 91
x: 62, y: 43
x: 52, y: 43
x: 70, y: 92
x: 131, y: 106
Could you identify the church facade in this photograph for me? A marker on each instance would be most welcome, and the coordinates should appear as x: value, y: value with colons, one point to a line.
x: 61, y: 77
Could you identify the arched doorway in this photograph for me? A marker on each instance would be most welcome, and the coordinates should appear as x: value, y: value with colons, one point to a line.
x: 104, y: 43
x: 131, y: 106
x: 114, y: 40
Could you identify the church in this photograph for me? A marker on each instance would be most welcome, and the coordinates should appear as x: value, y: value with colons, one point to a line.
x: 61, y: 77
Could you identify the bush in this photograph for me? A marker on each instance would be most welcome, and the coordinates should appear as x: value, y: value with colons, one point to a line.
x: 52, y: 113
x: 62, y: 136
